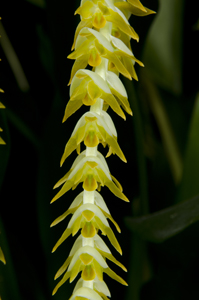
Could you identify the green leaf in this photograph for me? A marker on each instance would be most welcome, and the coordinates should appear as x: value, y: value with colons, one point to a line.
x: 9, y: 281
x: 39, y: 3
x: 162, y: 52
x: 166, y: 131
x: 189, y: 186
x: 4, y: 149
x: 23, y: 128
x: 161, y: 225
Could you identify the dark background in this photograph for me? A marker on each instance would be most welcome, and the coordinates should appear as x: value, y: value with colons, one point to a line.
x: 35, y: 137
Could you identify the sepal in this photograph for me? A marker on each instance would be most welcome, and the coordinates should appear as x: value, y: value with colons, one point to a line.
x: 91, y: 46
x: 91, y: 263
x: 93, y: 171
x: 93, y: 129
x: 97, y: 13
x: 88, y: 216
x: 86, y: 88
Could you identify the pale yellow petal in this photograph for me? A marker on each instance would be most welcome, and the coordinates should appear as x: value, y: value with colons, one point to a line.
x: 71, y: 108
x: 110, y: 99
x: 118, y: 64
x: 73, y: 142
x: 85, y: 10
x: 82, y: 24
x: 63, y: 267
x: 63, y: 216
x: 78, y: 64
x: 2, y: 257
x: 108, y: 231
x: 138, y: 4
x: 65, y: 277
x: 114, y: 189
x: 63, y: 237
x: 112, y: 258
x: 63, y: 179
x: 115, y: 147
x: 117, y: 20
x: 2, y: 141
x: 98, y: 270
x: 112, y: 220
x: 75, y: 270
x: 114, y: 276
x: 81, y: 51
x: 1, y: 104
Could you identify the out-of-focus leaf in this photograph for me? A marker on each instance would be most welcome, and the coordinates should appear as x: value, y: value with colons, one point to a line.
x: 133, y: 99
x: 4, y: 149
x: 23, y: 128
x: 162, y: 53
x: 166, y: 131
x: 196, y: 25
x: 189, y: 186
x: 45, y: 51
x: 9, y: 280
x: 13, y: 60
x: 39, y: 3
x: 160, y: 226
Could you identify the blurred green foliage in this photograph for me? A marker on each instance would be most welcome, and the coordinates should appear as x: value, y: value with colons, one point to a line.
x: 159, y: 228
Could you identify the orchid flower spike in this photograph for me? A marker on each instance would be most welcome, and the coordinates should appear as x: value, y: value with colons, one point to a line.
x: 102, y: 41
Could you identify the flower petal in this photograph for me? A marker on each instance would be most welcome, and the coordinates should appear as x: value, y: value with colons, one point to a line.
x: 63, y: 216
x: 108, y: 231
x: 117, y: 20
x: 91, y: 207
x: 63, y: 267
x: 63, y: 237
x: 92, y: 252
x: 114, y: 276
x: 65, y: 277
x: 100, y: 244
x: 87, y: 293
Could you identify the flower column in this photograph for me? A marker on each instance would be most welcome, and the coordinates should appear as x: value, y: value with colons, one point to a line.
x: 102, y: 40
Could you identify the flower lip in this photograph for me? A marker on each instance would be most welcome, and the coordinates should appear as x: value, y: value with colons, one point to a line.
x: 91, y: 207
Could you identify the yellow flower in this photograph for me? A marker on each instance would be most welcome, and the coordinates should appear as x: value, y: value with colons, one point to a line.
x: 93, y: 129
x: 91, y: 46
x: 87, y: 87
x: 84, y: 293
x: 90, y: 218
x: 98, y: 287
x: 97, y: 13
x: 91, y: 263
x: 102, y: 41
x: 93, y: 172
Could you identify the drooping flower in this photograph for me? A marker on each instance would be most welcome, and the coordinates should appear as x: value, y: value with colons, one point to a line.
x: 102, y: 41
x: 93, y: 129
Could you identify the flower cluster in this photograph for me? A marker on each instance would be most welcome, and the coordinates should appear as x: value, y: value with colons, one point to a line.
x: 102, y: 41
